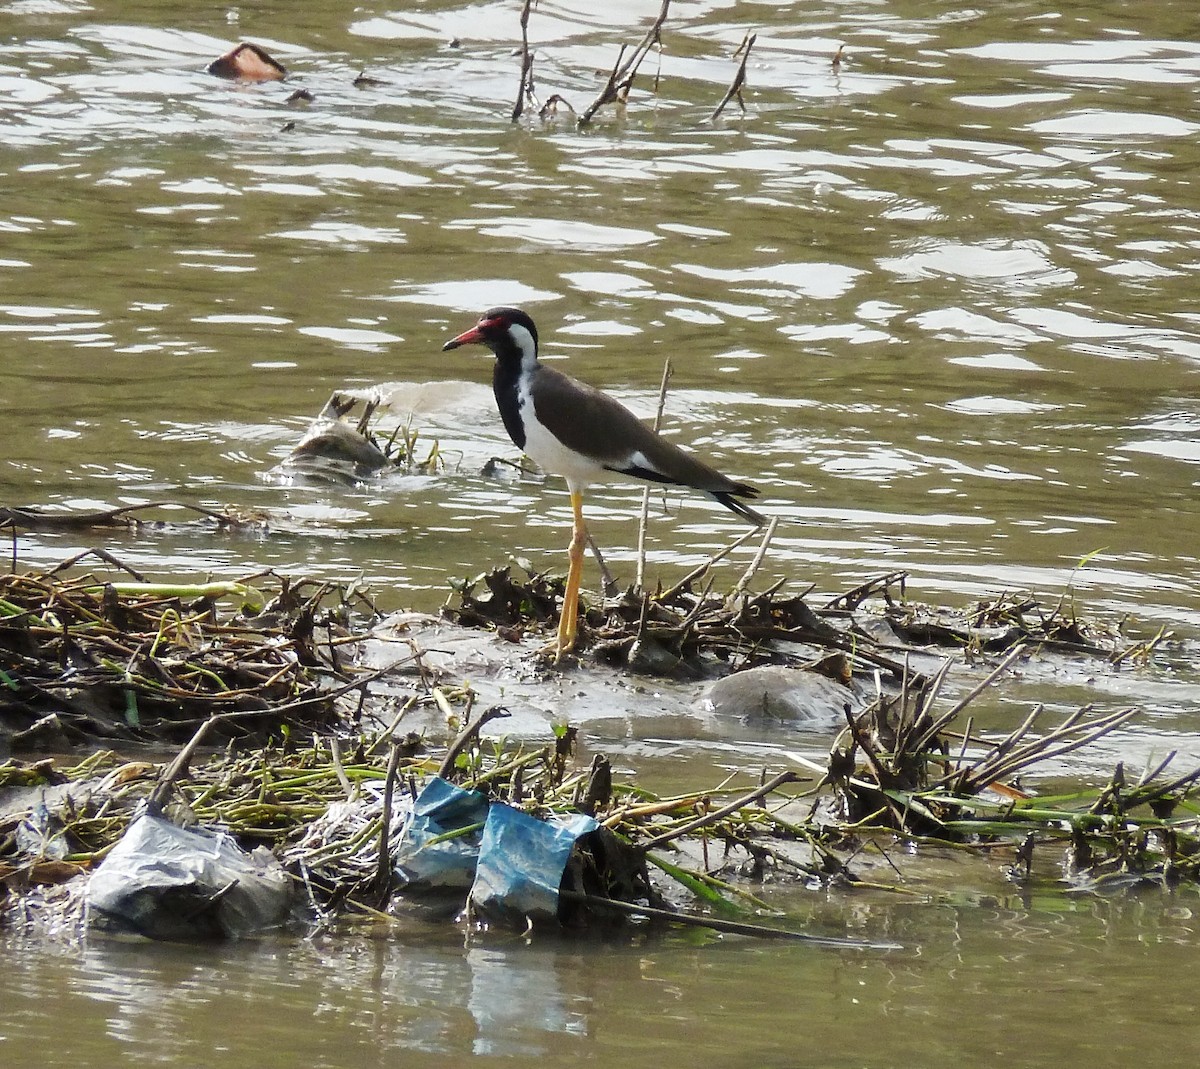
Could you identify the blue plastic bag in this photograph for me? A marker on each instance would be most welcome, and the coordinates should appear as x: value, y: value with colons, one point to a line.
x: 441, y: 808
x: 522, y: 861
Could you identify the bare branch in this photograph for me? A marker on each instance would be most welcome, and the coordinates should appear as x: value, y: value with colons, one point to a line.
x: 739, y: 79
x: 640, y: 575
x: 551, y: 106
x: 620, y: 80
x: 526, y: 87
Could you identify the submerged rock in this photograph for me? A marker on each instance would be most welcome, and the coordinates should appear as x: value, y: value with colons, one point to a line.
x: 779, y: 693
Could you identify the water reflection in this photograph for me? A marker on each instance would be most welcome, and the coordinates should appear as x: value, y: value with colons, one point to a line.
x: 152, y: 1004
x: 742, y: 1003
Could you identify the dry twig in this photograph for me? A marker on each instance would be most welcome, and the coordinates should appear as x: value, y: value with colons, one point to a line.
x: 739, y: 79
x: 620, y: 79
x: 640, y: 574
x: 525, y: 90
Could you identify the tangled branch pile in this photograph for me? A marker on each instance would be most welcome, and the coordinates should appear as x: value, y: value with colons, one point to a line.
x: 688, y: 632
x: 136, y: 661
x: 902, y: 767
x: 83, y: 658
x: 332, y: 812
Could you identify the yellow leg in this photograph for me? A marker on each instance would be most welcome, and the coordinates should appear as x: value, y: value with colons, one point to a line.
x: 568, y: 620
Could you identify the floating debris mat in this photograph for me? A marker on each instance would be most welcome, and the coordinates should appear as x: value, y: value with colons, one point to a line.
x: 690, y: 630
x: 83, y: 658
x: 514, y: 834
x: 380, y: 833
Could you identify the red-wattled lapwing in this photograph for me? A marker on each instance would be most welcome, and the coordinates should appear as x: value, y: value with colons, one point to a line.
x: 570, y: 429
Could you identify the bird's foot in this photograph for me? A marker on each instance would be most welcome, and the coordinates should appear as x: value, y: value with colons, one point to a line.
x: 556, y: 654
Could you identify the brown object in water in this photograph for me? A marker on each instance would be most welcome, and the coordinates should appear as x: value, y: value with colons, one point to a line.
x: 247, y: 63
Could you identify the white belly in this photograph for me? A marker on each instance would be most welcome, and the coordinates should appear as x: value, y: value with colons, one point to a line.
x: 549, y: 454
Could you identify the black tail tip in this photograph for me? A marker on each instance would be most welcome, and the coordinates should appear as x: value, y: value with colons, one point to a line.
x: 729, y: 498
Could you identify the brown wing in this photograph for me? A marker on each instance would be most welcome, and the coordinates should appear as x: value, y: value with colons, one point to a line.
x: 592, y: 423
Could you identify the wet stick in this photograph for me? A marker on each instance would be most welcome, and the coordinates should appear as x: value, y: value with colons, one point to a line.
x: 853, y: 598
x: 620, y: 80
x: 125, y: 516
x: 525, y: 89
x: 640, y: 578
x: 931, y: 732
x: 387, y: 732
x: 305, y: 703
x: 158, y: 797
x: 739, y: 79
x: 383, y: 867
x: 700, y: 569
x: 1056, y: 744
x: 758, y: 931
x: 740, y: 587
x: 607, y: 579
x: 465, y: 738
x: 718, y: 814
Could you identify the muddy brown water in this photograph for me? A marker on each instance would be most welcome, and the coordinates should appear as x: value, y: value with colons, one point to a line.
x: 938, y: 302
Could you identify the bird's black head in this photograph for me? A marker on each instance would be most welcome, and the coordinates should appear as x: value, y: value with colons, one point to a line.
x: 508, y: 332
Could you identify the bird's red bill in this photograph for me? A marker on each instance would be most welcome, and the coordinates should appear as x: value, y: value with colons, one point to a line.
x: 467, y: 337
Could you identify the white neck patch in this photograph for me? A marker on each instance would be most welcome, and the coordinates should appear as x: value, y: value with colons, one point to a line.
x: 523, y: 340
